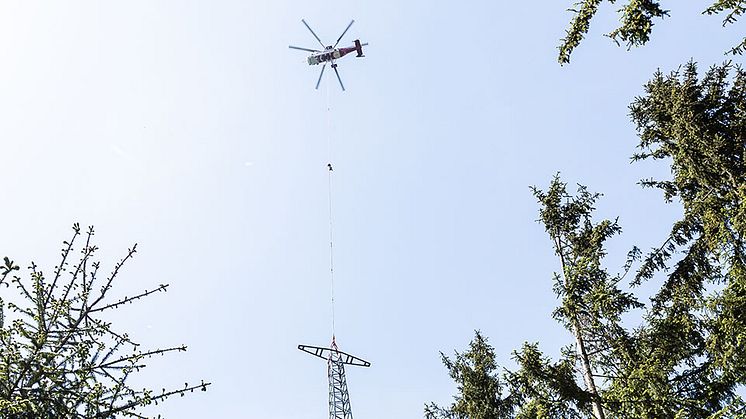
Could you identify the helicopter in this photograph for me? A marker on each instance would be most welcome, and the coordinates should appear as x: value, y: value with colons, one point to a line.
x: 329, y: 54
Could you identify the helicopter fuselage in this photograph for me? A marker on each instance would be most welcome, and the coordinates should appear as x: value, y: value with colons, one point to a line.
x: 331, y: 54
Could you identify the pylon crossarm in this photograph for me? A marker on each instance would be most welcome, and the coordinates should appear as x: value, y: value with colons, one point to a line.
x: 326, y: 354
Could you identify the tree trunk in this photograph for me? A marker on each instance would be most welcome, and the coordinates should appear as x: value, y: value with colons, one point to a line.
x: 598, y: 410
x: 590, y: 385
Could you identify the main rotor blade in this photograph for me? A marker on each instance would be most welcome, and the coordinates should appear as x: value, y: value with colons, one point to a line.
x: 313, y: 33
x: 303, y: 49
x: 343, y: 33
x: 321, y: 75
x: 338, y: 78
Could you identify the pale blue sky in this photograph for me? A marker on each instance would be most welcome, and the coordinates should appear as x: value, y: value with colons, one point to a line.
x: 190, y: 128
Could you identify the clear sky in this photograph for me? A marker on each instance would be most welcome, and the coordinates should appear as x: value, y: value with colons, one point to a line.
x: 190, y: 128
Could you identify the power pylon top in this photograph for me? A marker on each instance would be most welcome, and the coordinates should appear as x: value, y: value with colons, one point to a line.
x: 334, y: 352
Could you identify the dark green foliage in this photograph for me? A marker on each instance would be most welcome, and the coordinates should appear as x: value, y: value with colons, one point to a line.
x: 58, y: 357
x: 687, y: 357
x: 587, y: 292
x: 543, y: 389
x: 637, y: 18
x: 591, y: 306
x: 700, y: 126
x: 480, y: 389
x: 581, y: 22
x: 636, y: 24
x: 733, y: 9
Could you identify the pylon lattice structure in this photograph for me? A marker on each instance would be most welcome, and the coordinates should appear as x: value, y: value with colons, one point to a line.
x: 339, y: 397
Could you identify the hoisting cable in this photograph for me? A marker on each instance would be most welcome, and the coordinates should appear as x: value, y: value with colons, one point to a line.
x: 331, y: 223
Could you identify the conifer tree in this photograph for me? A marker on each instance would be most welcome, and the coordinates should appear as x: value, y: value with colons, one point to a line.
x: 480, y: 389
x: 59, y: 358
x: 590, y: 309
x: 698, y: 317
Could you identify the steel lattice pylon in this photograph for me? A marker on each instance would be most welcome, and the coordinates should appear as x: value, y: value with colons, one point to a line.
x: 339, y: 397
